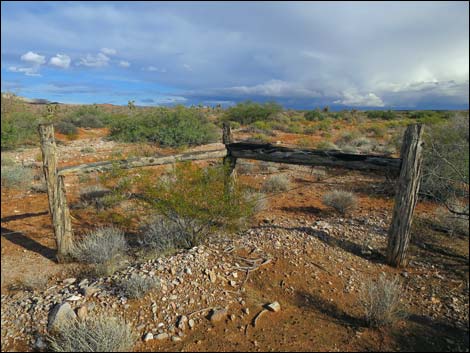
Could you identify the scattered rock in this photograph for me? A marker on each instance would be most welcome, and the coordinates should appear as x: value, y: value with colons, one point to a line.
x: 161, y: 336
x: 274, y: 307
x: 82, y: 312
x: 191, y: 323
x: 60, y: 314
x: 217, y: 315
x: 69, y: 281
x: 148, y: 337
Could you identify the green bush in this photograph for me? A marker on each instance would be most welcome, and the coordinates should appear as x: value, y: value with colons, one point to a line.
x: 381, y: 114
x: 166, y: 126
x: 314, y: 115
x: 19, y: 128
x: 199, y: 201
x: 445, y: 176
x: 66, y: 128
x: 249, y: 112
x: 276, y: 183
x: 87, y: 116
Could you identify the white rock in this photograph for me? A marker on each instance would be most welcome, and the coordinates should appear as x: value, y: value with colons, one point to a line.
x: 274, y: 307
x: 148, y: 337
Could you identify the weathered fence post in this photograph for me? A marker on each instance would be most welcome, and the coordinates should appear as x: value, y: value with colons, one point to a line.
x: 406, y: 196
x: 58, y: 208
x: 229, y: 161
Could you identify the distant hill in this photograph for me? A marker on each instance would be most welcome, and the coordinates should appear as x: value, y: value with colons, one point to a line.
x: 29, y: 100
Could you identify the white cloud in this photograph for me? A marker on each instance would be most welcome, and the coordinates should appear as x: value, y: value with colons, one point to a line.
x: 274, y: 88
x: 98, y: 60
x: 33, y: 58
x: 28, y: 71
x: 154, y: 69
x: 60, y: 60
x: 356, y: 99
x: 108, y: 51
x: 124, y: 63
x: 188, y: 67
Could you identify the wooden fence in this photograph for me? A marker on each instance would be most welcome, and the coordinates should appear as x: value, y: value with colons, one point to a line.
x: 407, y: 169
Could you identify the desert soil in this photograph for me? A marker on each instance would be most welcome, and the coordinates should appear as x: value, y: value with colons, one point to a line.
x: 312, y: 262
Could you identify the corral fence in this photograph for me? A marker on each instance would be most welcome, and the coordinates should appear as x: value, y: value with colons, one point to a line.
x: 407, y: 169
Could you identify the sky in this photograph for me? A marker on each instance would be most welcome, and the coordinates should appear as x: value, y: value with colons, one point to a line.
x: 303, y: 55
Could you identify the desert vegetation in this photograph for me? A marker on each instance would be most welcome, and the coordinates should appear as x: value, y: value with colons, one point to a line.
x: 175, y: 241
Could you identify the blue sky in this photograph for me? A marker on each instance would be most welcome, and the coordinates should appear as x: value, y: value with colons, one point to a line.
x: 377, y: 55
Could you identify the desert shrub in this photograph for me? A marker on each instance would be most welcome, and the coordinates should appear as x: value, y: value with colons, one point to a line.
x: 100, y: 246
x: 94, y: 334
x: 451, y: 223
x: 326, y: 145
x: 445, y: 176
x: 94, y: 195
x: 258, y: 138
x: 381, y: 301
x: 31, y: 282
x: 305, y: 142
x: 381, y: 114
x: 314, y: 115
x: 172, y: 127
x: 377, y: 130
x: 66, y: 128
x: 341, y: 201
x: 88, y: 149
x: 16, y: 176
x: 324, y: 125
x: 347, y: 138
x: 258, y: 199
x: 7, y: 161
x: 295, y: 128
x: 87, y: 116
x: 198, y: 199
x: 39, y: 188
x: 249, y: 112
x: 276, y: 183
x: 137, y: 286
x: 430, y: 117
x: 19, y: 128
x: 245, y: 167
x: 164, y: 235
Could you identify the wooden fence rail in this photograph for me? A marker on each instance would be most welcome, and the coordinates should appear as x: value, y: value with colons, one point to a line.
x: 408, y: 168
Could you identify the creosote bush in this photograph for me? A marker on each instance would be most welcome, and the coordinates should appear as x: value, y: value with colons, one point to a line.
x: 172, y: 127
x: 94, y: 334
x: 341, y: 201
x: 197, y: 201
x: 381, y: 301
x: 276, y: 183
x: 137, y: 286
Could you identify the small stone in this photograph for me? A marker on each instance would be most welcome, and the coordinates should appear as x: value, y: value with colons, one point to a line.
x: 89, y: 291
x: 73, y: 298
x: 82, y: 312
x: 69, y: 281
x: 233, y: 283
x: 176, y: 339
x: 246, y: 310
x: 161, y: 336
x: 191, y: 323
x: 40, y: 344
x: 217, y: 315
x: 212, y: 276
x: 274, y: 307
x: 148, y: 337
x: 60, y: 314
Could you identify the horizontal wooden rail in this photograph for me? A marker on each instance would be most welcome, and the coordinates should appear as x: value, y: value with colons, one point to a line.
x: 272, y: 153
x: 143, y: 162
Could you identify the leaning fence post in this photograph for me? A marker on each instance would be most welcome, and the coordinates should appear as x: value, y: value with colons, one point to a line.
x: 229, y: 161
x: 58, y: 208
x: 406, y: 196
